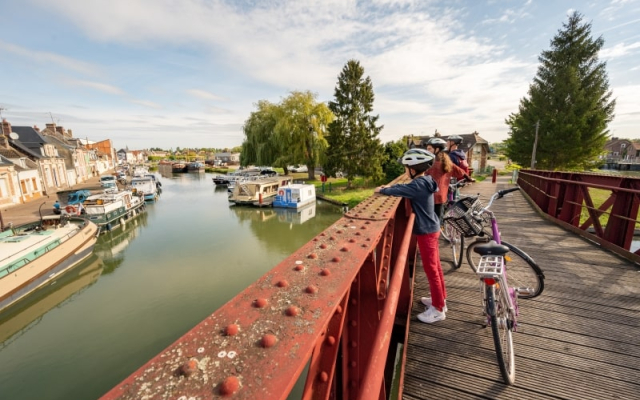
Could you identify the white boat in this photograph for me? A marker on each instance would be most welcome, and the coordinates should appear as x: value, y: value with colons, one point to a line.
x: 108, y: 182
x: 258, y: 192
x: 33, y: 254
x: 109, y: 210
x: 295, y: 195
x: 140, y: 171
x: 146, y: 186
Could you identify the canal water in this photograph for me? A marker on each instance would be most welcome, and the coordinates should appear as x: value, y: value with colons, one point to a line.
x: 144, y: 287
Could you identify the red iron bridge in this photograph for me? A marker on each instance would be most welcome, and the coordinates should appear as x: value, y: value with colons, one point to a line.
x: 339, y: 314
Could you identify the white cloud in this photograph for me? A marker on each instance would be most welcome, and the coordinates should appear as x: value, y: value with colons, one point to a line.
x: 203, y: 94
x: 102, y: 87
x: 44, y: 58
x: 619, y: 50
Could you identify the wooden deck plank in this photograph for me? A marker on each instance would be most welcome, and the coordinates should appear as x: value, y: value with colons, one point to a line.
x: 579, y: 340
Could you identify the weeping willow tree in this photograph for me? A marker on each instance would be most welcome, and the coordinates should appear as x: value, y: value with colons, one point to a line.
x: 291, y: 132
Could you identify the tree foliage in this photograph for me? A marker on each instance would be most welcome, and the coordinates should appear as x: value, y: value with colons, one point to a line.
x: 291, y: 132
x: 354, y: 147
x: 393, y: 151
x: 570, y: 98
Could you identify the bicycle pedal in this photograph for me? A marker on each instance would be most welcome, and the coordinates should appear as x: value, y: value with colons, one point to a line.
x: 524, y: 291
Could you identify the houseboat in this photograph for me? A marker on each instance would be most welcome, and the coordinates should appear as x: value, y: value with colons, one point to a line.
x: 108, y: 182
x: 179, y: 167
x: 111, y: 209
x: 295, y: 195
x: 195, y: 166
x: 33, y: 254
x: 145, y: 186
x: 259, y: 192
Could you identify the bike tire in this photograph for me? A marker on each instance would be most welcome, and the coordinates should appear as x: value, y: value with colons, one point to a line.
x: 456, y: 241
x: 501, y: 328
x: 522, y: 270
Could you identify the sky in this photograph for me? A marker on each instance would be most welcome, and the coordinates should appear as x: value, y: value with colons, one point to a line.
x: 188, y: 73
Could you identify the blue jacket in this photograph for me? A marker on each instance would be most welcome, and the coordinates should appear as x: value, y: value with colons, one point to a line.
x: 420, y: 192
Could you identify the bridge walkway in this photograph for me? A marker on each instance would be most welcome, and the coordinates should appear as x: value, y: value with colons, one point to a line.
x: 579, y: 340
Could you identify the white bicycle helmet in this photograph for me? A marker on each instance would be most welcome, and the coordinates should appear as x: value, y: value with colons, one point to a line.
x: 437, y: 143
x: 455, y: 139
x: 418, y: 159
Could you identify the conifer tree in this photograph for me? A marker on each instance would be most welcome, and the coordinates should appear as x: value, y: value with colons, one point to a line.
x: 570, y: 98
x: 354, y: 147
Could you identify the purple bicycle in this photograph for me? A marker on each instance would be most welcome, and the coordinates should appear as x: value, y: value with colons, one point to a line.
x: 491, y: 258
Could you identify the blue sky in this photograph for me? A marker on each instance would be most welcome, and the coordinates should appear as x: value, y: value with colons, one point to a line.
x: 187, y: 73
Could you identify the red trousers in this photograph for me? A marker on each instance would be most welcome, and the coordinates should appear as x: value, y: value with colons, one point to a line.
x: 430, y: 254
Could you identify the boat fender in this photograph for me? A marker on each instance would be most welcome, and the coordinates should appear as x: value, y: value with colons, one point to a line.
x: 122, y: 221
x: 70, y: 209
x: 280, y: 192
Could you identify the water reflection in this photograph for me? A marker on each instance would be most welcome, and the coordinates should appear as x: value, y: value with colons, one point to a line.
x: 285, y: 228
x: 111, y: 245
x: 28, y: 312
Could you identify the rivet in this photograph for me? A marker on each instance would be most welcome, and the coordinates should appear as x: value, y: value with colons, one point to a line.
x: 344, y: 249
x: 357, y: 233
x: 354, y: 343
x: 386, y: 256
x: 323, y: 234
x: 260, y: 303
x: 339, y: 231
x: 353, y: 384
x: 292, y: 311
x: 367, y: 223
x: 363, y: 227
x: 311, y: 289
x: 188, y: 368
x: 268, y: 340
x: 354, y: 301
x: 352, y: 240
x: 339, y: 310
x: 282, y: 283
x: 354, y: 323
x: 332, y: 238
x: 353, y: 364
x: 364, y: 245
x: 312, y: 256
x: 325, y: 272
x: 299, y: 267
x: 331, y: 340
x: 231, y: 329
x: 229, y: 386
x: 315, y: 239
x: 335, y: 259
x: 324, y: 377
x: 323, y: 246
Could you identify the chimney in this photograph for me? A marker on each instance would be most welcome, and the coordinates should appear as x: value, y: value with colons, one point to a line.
x: 35, y: 128
x: 6, y: 127
x: 50, y: 128
x: 69, y: 133
x: 60, y: 130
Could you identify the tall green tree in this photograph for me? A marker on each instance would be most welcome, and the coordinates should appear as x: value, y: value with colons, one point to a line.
x: 354, y: 147
x: 569, y: 102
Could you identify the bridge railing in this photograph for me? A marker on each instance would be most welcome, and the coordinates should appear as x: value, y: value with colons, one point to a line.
x: 568, y: 198
x: 339, y: 306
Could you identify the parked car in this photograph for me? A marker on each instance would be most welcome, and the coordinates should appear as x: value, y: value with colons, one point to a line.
x: 298, y: 168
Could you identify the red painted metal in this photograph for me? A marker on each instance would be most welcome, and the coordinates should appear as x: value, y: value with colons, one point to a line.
x: 494, y: 175
x: 564, y: 195
x: 321, y: 306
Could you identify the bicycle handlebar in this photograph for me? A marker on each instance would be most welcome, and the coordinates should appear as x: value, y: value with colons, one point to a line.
x: 501, y: 193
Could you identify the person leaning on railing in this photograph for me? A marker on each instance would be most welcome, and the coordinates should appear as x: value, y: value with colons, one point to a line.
x: 426, y: 226
x: 442, y: 171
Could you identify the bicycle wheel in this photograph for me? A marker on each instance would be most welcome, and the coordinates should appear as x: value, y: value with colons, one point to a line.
x: 456, y: 241
x: 501, y: 327
x: 522, y: 271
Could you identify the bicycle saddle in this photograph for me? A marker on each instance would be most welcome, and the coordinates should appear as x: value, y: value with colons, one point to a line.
x: 491, y: 248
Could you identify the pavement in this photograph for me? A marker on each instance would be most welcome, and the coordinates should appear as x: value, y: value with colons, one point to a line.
x: 19, y: 214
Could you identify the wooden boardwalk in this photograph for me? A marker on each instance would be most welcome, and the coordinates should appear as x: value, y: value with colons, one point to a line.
x: 579, y: 340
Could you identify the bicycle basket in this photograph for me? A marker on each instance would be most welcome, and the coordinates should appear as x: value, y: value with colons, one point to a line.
x: 460, y: 216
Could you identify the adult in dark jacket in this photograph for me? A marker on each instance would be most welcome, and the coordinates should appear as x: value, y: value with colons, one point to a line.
x: 456, y: 155
x: 426, y: 226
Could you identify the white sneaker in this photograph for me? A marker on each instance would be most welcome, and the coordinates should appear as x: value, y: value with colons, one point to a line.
x: 431, y: 315
x: 427, y: 302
